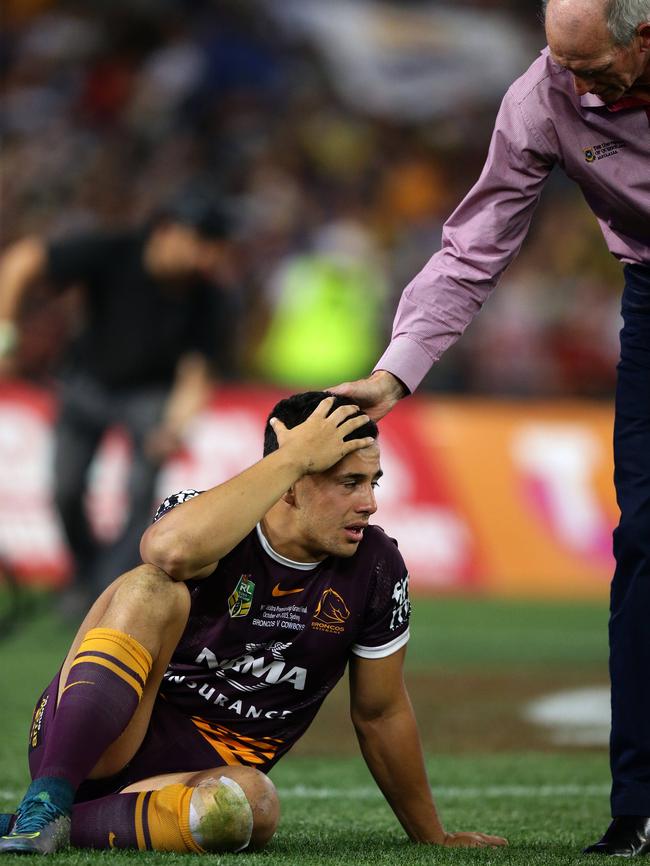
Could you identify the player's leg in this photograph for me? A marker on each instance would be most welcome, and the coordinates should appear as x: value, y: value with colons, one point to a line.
x: 107, y: 689
x: 77, y: 434
x: 220, y: 809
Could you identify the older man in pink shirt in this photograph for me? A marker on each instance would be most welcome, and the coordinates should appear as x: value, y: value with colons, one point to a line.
x: 584, y: 105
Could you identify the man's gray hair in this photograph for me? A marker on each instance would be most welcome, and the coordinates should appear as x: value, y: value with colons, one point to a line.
x: 623, y: 18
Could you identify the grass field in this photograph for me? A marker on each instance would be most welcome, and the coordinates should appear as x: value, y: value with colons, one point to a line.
x: 472, y: 665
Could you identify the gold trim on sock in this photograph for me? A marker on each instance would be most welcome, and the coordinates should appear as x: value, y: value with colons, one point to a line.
x: 140, y: 658
x: 139, y: 827
x: 105, y: 663
x: 168, y: 815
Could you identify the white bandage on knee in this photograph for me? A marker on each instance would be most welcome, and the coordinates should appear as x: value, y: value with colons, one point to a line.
x: 221, y: 818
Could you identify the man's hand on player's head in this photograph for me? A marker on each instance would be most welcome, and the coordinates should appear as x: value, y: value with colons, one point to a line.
x: 377, y: 394
x: 318, y: 442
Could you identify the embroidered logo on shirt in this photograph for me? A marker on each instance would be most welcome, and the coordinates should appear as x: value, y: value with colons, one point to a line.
x: 331, y: 613
x: 241, y: 598
x: 601, y: 151
x: 276, y: 592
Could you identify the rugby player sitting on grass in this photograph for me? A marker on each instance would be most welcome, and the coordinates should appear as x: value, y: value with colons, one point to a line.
x: 199, y: 669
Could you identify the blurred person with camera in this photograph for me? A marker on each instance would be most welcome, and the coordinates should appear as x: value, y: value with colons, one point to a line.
x: 155, y: 328
x: 584, y: 105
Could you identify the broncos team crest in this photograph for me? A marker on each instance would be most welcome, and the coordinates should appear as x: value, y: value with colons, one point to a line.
x: 241, y: 598
x: 331, y: 613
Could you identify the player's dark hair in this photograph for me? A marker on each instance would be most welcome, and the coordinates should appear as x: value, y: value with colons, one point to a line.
x: 297, y: 408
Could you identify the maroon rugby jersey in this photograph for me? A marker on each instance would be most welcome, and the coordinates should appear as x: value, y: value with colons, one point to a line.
x: 268, y: 638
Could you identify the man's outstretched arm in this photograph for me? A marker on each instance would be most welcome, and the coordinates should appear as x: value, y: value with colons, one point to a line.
x: 190, y: 539
x: 388, y: 735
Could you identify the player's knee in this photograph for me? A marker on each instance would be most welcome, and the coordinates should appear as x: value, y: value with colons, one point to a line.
x: 262, y: 799
x: 150, y: 588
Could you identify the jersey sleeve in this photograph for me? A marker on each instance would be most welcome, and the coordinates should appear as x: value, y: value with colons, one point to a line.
x: 386, y: 628
x: 174, y: 500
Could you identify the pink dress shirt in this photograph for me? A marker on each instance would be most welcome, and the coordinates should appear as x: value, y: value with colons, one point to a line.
x: 541, y: 122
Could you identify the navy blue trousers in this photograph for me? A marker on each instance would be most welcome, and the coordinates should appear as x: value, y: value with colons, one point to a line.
x: 629, y: 625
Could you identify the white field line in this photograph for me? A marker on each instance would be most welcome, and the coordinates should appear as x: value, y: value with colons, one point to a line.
x: 369, y: 792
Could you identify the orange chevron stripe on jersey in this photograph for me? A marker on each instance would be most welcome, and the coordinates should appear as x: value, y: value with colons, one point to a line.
x: 235, y: 748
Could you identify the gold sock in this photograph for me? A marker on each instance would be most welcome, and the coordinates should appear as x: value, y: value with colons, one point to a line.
x: 162, y: 820
x: 120, y: 653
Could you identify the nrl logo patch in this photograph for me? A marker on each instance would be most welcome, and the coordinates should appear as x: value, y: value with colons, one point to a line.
x: 241, y: 598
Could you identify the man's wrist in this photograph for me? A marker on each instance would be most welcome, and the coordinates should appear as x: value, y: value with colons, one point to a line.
x: 397, y: 388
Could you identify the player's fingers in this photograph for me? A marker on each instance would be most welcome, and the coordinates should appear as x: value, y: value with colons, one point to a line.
x: 279, y: 429
x: 494, y: 841
x: 357, y: 445
x: 483, y: 840
x: 347, y: 425
x: 342, y: 412
x: 324, y: 406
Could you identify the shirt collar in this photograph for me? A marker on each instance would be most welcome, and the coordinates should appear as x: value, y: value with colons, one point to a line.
x: 590, y: 100
x: 283, y: 560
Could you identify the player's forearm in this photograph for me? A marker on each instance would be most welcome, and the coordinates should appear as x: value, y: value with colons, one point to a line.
x: 189, y: 394
x: 20, y: 266
x: 204, y: 529
x: 392, y: 750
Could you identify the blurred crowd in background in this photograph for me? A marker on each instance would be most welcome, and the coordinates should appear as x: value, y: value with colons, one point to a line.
x: 340, y: 135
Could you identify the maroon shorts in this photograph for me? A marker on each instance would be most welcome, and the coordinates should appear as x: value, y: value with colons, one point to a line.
x: 172, y: 744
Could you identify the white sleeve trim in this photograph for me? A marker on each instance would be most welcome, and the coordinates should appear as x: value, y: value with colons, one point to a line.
x: 380, y: 652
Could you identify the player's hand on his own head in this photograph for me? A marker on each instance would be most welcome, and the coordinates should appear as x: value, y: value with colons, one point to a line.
x: 319, y: 441
x: 473, y: 840
x: 376, y: 395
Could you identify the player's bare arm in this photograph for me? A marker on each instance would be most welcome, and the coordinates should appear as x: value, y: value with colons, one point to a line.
x: 385, y: 724
x: 189, y: 541
x: 191, y: 390
x: 20, y: 266
x: 376, y: 395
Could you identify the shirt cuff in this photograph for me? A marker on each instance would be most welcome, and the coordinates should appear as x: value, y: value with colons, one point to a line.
x: 380, y: 652
x: 407, y: 360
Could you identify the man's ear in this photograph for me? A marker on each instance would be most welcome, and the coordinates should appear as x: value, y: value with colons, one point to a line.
x: 644, y: 33
x: 289, y: 497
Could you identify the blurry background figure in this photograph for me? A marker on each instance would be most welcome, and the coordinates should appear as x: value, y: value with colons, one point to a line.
x: 326, y: 309
x: 153, y: 328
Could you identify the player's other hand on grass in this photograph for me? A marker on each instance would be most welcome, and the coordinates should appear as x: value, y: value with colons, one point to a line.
x: 376, y: 395
x: 473, y: 840
x: 318, y: 442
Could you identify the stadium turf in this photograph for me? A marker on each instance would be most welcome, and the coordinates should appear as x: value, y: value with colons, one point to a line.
x: 471, y: 662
